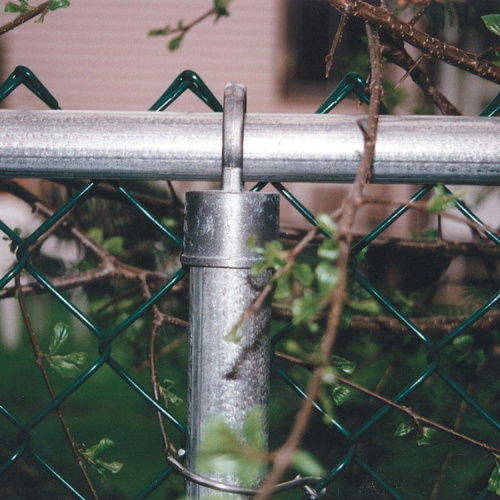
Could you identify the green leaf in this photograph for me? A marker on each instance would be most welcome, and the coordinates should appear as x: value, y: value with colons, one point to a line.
x: 220, y: 7
x: 431, y: 233
x: 58, y: 4
x: 251, y: 244
x: 218, y: 438
x: 476, y: 357
x: 463, y: 343
x: 442, y: 200
x: 305, y: 308
x: 494, y: 480
x: 170, y: 222
x: 253, y: 426
x: 404, y: 429
x: 160, y: 32
x: 236, y: 333
x: 114, y: 245
x: 369, y: 307
x: 343, y: 365
x: 113, y: 467
x: 329, y: 375
x: 13, y: 8
x: 492, y: 22
x: 327, y: 276
x: 340, y: 394
x: 259, y: 267
x: 60, y: 334
x: 303, y: 273
x: 326, y: 223
x: 346, y: 319
x: 425, y: 436
x: 329, y: 250
x: 307, y: 465
x: 283, y: 288
x: 175, y: 42
x: 76, y: 357
x: 224, y: 450
x: 67, y: 366
x: 221, y: 4
x: 293, y: 347
x: 97, y: 449
x: 274, y: 254
x: 96, y: 234
x: 91, y: 454
x: 169, y: 396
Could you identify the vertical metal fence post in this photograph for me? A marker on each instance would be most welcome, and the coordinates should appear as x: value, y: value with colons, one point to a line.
x: 226, y: 379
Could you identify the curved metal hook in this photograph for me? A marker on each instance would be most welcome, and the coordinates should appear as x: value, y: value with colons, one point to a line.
x: 235, y: 96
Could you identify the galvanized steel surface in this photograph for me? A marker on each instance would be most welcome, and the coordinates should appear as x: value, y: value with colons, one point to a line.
x: 227, y: 379
x: 301, y: 148
x: 217, y: 225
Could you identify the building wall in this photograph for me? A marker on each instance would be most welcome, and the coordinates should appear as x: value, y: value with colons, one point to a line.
x: 97, y: 55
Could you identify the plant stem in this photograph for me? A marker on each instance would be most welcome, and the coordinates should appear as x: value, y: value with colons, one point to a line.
x: 39, y: 362
x: 39, y: 9
x: 384, y: 19
x: 418, y: 419
x: 284, y: 456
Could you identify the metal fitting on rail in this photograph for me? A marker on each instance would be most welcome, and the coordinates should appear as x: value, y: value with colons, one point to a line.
x: 227, y: 379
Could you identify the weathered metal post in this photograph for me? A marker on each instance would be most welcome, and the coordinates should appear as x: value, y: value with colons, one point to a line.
x: 226, y: 379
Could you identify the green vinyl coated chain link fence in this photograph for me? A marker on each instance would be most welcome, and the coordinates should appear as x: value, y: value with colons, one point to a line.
x: 353, y: 446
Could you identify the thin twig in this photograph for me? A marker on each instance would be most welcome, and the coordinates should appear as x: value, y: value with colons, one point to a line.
x: 39, y: 362
x: 422, y: 207
x: 338, y: 36
x: 427, y: 44
x: 395, y: 53
x: 35, y: 11
x: 425, y: 5
x: 157, y: 322
x: 417, y: 418
x: 284, y: 456
x: 407, y: 74
x: 456, y: 425
x: 167, y: 349
x: 433, y: 326
x: 183, y: 29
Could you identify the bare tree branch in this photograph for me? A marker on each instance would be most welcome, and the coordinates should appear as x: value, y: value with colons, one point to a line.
x: 39, y: 362
x: 384, y: 19
x: 38, y: 10
x: 284, y: 456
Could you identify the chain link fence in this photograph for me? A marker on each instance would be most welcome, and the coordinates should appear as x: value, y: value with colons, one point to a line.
x: 415, y: 373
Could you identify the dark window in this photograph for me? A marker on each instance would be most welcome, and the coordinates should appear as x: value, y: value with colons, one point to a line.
x: 311, y: 28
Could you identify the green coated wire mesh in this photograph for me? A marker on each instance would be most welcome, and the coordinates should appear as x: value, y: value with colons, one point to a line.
x: 353, y: 444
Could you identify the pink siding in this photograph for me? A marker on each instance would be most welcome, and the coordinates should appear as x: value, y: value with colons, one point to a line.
x: 96, y: 54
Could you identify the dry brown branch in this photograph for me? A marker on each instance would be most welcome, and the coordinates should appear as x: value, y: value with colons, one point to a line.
x: 284, y: 456
x: 152, y: 363
x: 423, y: 9
x: 165, y: 349
x: 433, y: 47
x: 418, y: 419
x: 397, y: 54
x: 481, y: 248
x: 338, y: 36
x: 434, y: 326
x: 39, y: 362
x: 36, y: 11
x: 456, y: 425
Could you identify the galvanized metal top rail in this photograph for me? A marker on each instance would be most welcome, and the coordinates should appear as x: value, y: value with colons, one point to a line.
x: 277, y: 147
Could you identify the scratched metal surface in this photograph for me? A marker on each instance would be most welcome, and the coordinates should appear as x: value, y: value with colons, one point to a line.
x: 227, y: 379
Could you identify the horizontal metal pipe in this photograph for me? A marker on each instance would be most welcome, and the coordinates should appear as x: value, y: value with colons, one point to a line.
x: 278, y: 147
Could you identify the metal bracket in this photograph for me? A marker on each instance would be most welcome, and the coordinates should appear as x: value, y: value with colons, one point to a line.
x: 233, y: 119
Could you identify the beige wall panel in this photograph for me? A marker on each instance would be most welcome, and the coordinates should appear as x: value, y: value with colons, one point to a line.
x: 97, y: 55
